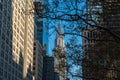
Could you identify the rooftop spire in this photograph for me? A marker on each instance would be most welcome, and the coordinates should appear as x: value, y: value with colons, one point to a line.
x: 59, y: 27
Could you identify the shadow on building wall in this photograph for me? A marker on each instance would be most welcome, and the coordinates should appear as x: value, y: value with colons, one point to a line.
x: 11, y: 64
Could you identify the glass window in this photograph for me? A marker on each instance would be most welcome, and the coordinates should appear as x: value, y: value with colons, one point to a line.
x: 1, y: 71
x: 1, y: 7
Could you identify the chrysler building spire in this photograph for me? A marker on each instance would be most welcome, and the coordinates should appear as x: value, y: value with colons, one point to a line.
x: 59, y: 38
x: 59, y: 28
x: 59, y: 56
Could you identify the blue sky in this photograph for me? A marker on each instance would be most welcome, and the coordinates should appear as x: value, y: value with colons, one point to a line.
x: 52, y: 36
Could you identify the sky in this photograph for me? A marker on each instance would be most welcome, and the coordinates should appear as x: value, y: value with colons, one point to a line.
x: 52, y: 36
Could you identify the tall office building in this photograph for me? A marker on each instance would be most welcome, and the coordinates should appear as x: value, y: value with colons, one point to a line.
x: 101, y: 49
x: 48, y: 68
x: 37, y: 61
x: 6, y: 62
x: 46, y: 61
x: 42, y: 24
x: 39, y: 20
x: 37, y: 57
x: 17, y: 37
x: 59, y: 57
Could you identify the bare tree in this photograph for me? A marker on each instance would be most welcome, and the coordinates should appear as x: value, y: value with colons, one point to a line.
x: 72, y: 11
x: 73, y: 14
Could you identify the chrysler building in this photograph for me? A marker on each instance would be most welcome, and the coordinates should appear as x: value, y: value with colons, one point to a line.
x: 59, y: 56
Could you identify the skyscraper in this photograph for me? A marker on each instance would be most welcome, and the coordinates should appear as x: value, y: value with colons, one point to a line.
x: 42, y: 24
x: 6, y: 41
x: 37, y: 61
x: 39, y: 20
x: 101, y: 59
x: 17, y: 36
x: 59, y: 57
x: 48, y: 68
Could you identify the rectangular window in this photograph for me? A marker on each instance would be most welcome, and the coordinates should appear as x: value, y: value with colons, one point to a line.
x: 1, y: 72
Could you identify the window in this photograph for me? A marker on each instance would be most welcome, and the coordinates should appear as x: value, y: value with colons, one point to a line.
x: 3, y: 36
x: 1, y: 6
x: 34, y: 48
x: 2, y: 53
x: 1, y: 72
x: 5, y: 74
x: 34, y: 58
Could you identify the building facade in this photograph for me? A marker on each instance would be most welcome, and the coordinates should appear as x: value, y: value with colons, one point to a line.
x: 37, y: 61
x: 17, y: 38
x: 59, y: 57
x: 101, y: 58
x: 48, y: 68
x: 6, y: 42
